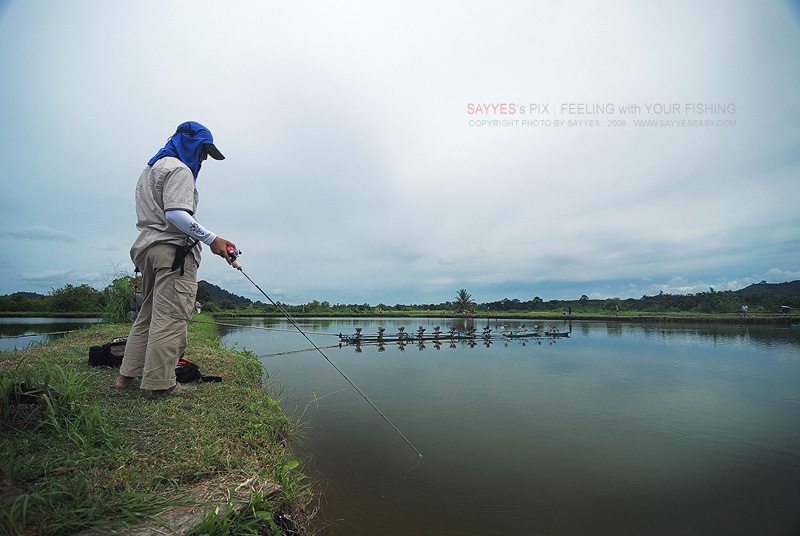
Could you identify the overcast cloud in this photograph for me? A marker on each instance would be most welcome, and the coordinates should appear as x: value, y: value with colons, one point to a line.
x: 355, y: 172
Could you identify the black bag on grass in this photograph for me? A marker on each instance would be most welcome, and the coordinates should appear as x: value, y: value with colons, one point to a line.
x: 111, y: 354
x: 186, y: 372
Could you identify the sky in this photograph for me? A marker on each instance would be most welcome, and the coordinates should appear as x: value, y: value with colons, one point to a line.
x: 397, y: 152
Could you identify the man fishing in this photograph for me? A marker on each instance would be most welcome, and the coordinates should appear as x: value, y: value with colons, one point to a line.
x: 167, y: 253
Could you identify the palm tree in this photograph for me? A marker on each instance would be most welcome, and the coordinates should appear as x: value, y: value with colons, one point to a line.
x: 464, y: 301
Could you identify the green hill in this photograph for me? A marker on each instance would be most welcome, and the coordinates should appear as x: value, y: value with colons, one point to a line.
x: 208, y: 291
x: 791, y: 288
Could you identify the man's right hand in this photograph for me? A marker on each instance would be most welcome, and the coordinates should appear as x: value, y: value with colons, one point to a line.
x: 220, y: 247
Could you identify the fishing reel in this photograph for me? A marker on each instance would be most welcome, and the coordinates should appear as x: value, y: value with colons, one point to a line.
x: 233, y: 253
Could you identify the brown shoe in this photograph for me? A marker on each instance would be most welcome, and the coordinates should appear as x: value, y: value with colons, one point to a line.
x: 174, y: 390
x: 123, y: 382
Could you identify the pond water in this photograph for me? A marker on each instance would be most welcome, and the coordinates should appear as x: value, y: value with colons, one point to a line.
x: 620, y: 429
x: 20, y: 332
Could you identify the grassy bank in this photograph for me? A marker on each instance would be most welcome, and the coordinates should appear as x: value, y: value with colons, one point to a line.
x: 93, y: 459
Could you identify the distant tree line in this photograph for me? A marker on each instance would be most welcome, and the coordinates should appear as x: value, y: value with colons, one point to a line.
x: 116, y: 299
x: 711, y: 302
x: 113, y: 302
x: 703, y: 302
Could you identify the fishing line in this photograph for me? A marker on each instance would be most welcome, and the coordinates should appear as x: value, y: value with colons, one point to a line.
x: 341, y: 373
x: 316, y: 400
x: 299, y: 351
x: 263, y: 327
x: 36, y: 334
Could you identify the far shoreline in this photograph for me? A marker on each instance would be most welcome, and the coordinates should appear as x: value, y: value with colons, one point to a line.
x: 688, y: 318
x: 629, y: 317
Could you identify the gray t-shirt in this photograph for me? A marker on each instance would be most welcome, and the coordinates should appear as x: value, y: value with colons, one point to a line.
x: 166, y: 185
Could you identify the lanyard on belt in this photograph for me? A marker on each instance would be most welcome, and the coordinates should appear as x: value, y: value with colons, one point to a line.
x: 180, y: 255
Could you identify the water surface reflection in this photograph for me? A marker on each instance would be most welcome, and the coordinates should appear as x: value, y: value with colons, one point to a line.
x: 622, y: 428
x: 21, y: 332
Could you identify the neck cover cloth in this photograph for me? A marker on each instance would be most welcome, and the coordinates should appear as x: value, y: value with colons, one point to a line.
x: 187, y: 145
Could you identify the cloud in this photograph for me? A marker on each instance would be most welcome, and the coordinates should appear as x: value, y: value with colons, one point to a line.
x: 41, y: 232
x: 353, y: 173
x: 50, y: 279
x: 776, y: 275
x: 47, y: 276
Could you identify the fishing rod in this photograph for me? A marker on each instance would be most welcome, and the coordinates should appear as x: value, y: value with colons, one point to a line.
x: 233, y: 254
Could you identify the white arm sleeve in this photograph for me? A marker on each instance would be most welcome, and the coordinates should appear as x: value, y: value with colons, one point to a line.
x: 186, y: 223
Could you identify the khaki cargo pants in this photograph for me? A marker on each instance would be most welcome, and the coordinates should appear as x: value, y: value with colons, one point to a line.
x: 158, y: 336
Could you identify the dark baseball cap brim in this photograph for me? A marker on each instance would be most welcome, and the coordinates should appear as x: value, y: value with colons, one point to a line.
x: 213, y: 152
